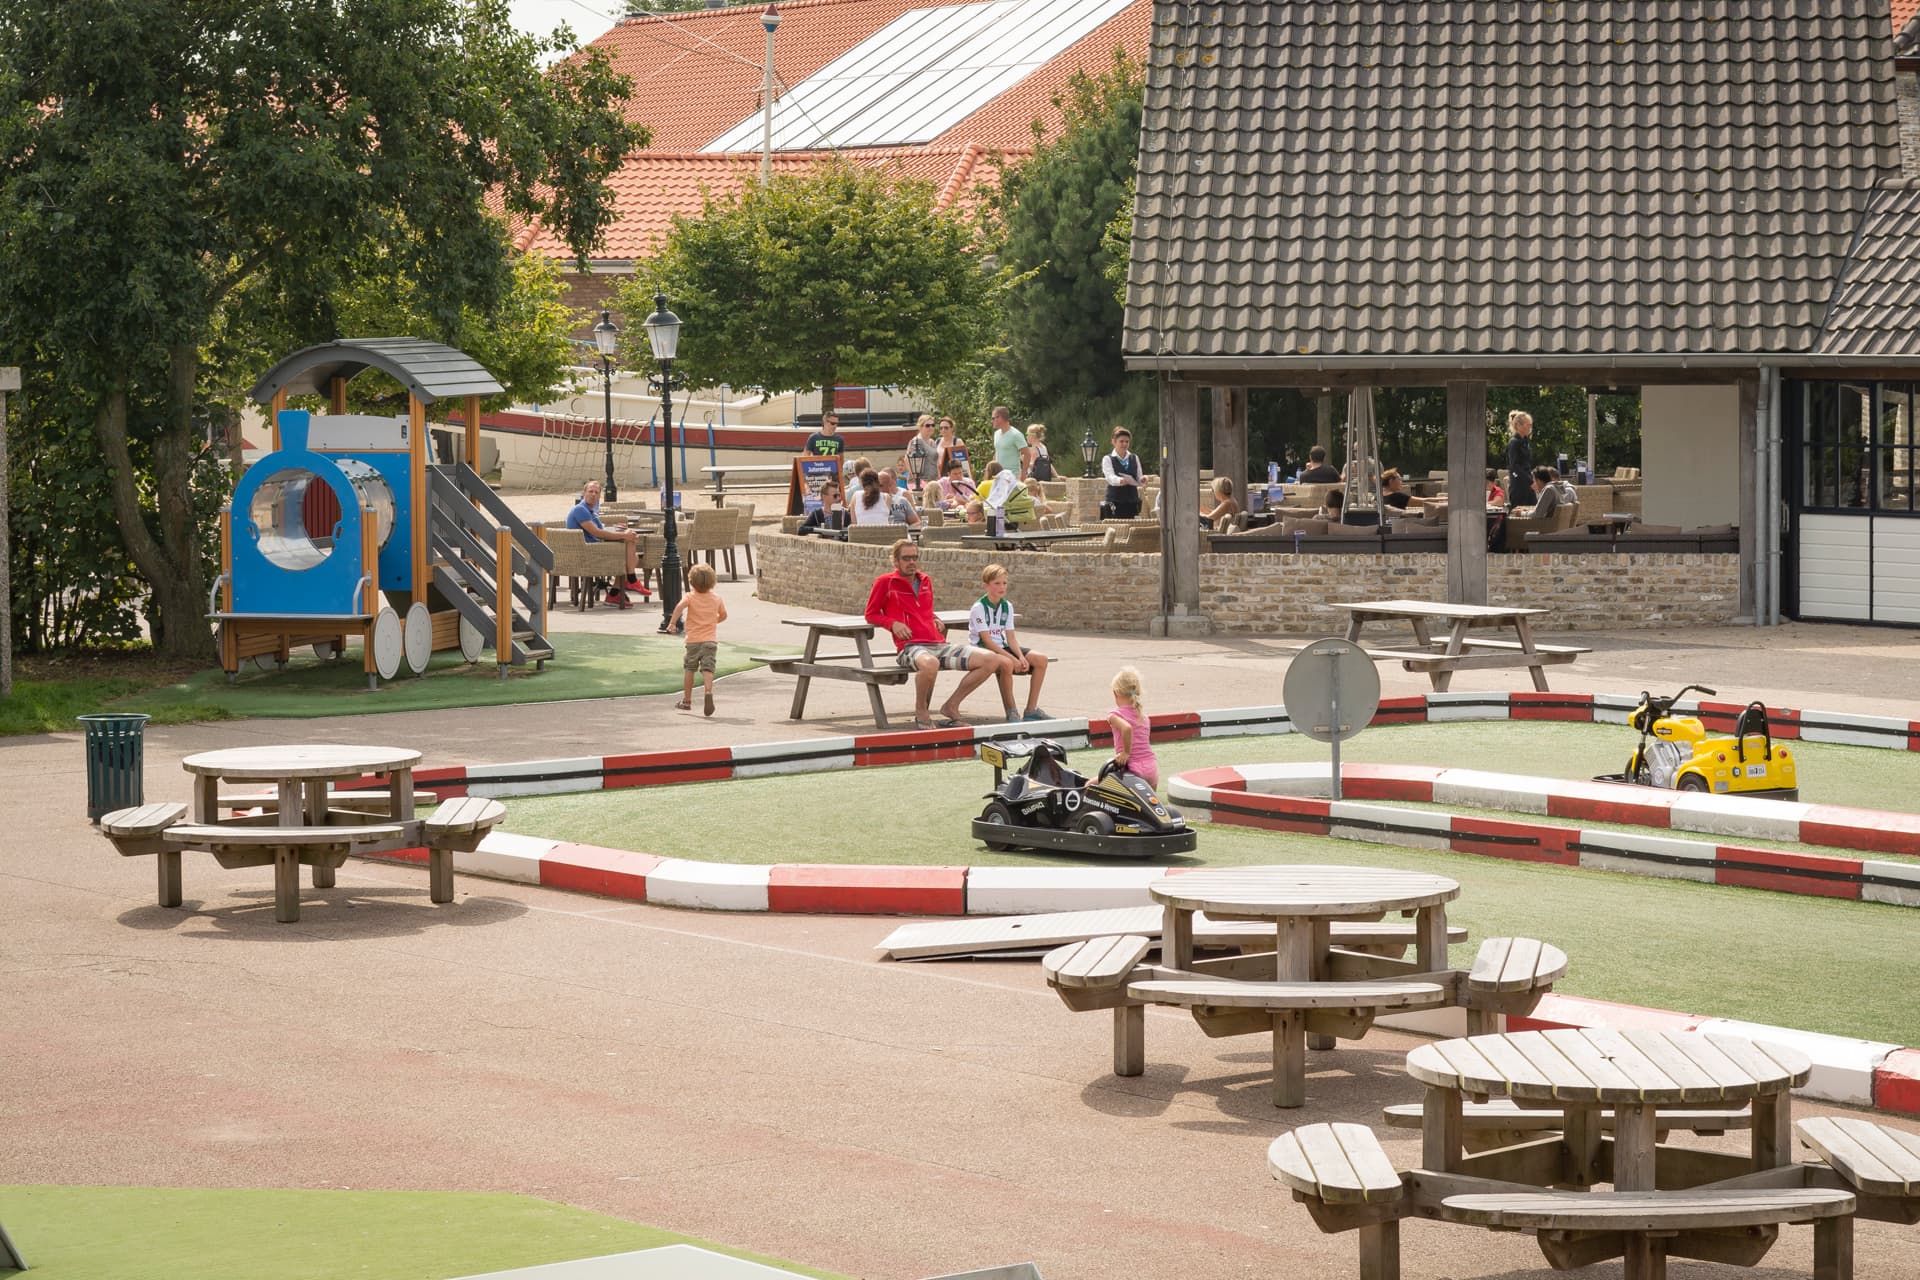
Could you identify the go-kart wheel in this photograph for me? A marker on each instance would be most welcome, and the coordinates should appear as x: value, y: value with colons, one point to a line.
x: 1000, y: 816
x: 1692, y: 782
x: 1094, y: 823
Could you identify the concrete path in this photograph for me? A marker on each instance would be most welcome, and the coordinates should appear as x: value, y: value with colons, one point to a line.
x: 759, y: 1080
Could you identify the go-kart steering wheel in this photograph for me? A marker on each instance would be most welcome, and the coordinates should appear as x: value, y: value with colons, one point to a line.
x: 1110, y: 766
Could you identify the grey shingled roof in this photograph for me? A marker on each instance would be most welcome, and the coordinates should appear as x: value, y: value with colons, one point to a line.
x: 1876, y: 310
x: 1488, y: 178
x: 430, y: 370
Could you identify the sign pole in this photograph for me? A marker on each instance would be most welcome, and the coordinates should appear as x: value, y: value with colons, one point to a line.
x: 1333, y: 708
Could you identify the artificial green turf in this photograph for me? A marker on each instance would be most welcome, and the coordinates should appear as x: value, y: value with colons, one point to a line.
x: 135, y: 1233
x: 586, y: 665
x: 1816, y: 963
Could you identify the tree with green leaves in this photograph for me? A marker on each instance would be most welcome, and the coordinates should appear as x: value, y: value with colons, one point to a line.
x: 1051, y: 211
x: 837, y: 275
x: 179, y: 175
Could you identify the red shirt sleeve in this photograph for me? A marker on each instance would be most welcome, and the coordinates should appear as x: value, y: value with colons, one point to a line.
x: 877, y: 603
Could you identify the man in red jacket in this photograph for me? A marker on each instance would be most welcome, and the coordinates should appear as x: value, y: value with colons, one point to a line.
x: 902, y: 602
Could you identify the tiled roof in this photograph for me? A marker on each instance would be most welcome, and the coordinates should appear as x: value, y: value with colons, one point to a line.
x: 1904, y: 12
x: 1484, y: 178
x: 656, y: 186
x: 1906, y: 37
x: 1876, y: 310
x: 697, y: 74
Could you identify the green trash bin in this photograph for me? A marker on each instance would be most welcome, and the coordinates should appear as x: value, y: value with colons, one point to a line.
x: 115, y: 749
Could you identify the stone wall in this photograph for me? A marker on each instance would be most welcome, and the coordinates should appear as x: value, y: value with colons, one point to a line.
x: 1261, y: 594
x: 1907, y: 95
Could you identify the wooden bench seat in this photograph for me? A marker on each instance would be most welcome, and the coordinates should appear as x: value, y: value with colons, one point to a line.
x: 1501, y: 1122
x: 140, y: 831
x: 1229, y: 993
x: 136, y: 831
x: 1093, y: 975
x: 286, y: 849
x: 1874, y: 1158
x: 377, y: 803
x: 1355, y: 935
x: 1289, y: 1011
x: 1509, y: 975
x: 458, y: 825
x: 1514, y: 646
x: 1433, y: 660
x: 1344, y: 1177
x: 1648, y: 1226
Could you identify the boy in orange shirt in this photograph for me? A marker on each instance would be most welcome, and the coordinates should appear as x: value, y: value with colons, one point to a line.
x: 704, y: 613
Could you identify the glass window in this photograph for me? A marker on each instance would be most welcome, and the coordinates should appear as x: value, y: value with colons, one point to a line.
x: 1851, y: 455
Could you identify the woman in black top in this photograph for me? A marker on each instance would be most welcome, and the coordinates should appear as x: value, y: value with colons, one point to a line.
x: 1519, y: 455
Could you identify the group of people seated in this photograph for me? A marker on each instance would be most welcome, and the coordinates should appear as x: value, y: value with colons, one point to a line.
x: 877, y: 497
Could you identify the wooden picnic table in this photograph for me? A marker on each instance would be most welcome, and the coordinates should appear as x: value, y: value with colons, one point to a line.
x: 720, y: 472
x: 859, y: 666
x: 1633, y: 1074
x: 1301, y: 902
x: 1034, y: 540
x: 1609, y: 1090
x: 1458, y: 651
x: 304, y: 828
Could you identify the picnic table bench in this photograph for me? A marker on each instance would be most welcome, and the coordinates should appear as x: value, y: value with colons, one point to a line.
x: 1569, y: 1085
x: 1439, y: 657
x: 859, y: 666
x: 302, y: 821
x: 720, y: 471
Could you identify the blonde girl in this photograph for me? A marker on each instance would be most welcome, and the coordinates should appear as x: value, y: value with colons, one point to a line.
x: 1519, y: 454
x: 1131, y: 730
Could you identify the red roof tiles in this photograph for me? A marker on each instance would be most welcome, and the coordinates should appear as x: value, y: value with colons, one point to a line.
x: 698, y: 74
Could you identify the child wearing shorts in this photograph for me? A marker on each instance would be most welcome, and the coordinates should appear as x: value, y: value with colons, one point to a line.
x: 704, y: 613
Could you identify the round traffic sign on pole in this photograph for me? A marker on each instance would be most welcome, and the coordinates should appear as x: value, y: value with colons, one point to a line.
x: 1331, y: 692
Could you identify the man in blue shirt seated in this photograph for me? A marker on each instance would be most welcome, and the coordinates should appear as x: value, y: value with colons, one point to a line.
x: 585, y: 517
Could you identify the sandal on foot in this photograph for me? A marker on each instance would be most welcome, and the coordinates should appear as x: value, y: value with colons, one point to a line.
x: 683, y: 706
x: 709, y: 707
x: 1036, y: 714
x: 948, y: 722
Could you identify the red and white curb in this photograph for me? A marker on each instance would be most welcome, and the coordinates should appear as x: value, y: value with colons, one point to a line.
x: 1849, y: 1071
x: 1295, y: 797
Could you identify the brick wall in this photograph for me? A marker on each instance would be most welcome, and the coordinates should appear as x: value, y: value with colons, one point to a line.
x: 589, y: 294
x: 1260, y: 594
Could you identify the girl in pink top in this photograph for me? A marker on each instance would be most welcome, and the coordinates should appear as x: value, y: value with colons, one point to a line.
x: 1131, y: 729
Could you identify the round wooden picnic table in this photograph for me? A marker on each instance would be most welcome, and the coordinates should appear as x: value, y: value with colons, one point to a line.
x: 1301, y: 900
x: 301, y: 773
x: 1631, y: 1073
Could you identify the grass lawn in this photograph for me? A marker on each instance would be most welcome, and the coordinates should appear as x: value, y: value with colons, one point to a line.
x: 49, y: 690
x: 1740, y: 953
x: 132, y: 1233
x: 588, y: 666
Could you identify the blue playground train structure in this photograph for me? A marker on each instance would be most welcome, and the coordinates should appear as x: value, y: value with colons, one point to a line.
x: 347, y: 528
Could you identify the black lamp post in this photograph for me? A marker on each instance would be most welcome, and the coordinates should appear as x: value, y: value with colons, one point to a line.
x: 663, y: 335
x: 1089, y: 452
x: 606, y: 336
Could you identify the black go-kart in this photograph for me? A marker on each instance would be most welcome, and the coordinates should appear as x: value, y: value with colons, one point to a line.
x: 1038, y: 802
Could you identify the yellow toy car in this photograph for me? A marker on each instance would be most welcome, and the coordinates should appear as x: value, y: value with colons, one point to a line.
x: 1675, y: 752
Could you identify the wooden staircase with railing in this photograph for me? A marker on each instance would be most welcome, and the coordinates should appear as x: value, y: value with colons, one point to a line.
x: 489, y: 565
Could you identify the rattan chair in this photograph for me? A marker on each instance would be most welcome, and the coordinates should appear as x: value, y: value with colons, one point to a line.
x: 743, y: 529
x: 709, y: 531
x: 589, y: 567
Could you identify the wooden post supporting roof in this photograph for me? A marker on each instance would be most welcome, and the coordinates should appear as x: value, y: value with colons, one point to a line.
x: 278, y: 403
x: 1229, y: 422
x: 1752, y: 430
x: 1466, y: 493
x: 9, y: 381
x: 417, y: 483
x: 1179, y: 504
x: 473, y: 433
x: 337, y: 394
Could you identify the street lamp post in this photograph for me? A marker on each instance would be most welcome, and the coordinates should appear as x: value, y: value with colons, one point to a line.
x: 663, y: 335
x: 1089, y: 453
x: 606, y: 336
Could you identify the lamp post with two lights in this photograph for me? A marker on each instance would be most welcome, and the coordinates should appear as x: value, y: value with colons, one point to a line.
x: 606, y: 337
x: 663, y: 336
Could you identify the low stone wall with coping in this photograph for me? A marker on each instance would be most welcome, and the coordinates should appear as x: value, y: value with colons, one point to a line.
x: 1259, y: 594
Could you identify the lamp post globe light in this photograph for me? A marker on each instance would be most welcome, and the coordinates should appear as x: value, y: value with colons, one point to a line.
x: 1089, y: 452
x: 663, y: 336
x: 606, y: 336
